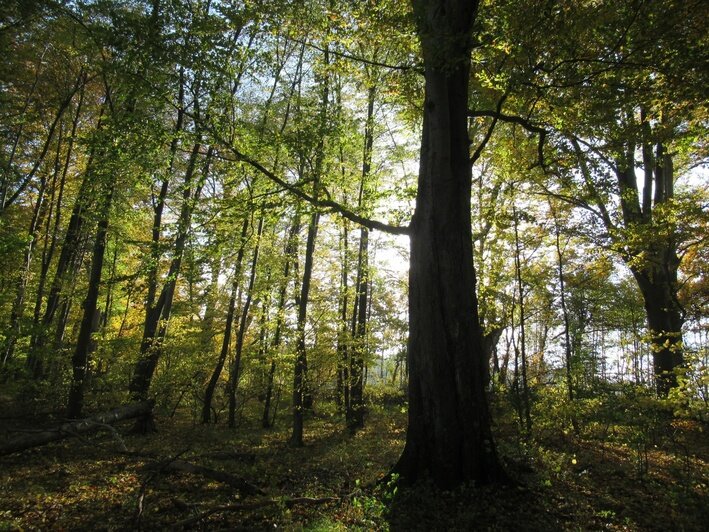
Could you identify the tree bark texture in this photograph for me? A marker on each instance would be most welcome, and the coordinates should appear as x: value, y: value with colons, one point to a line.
x: 449, y: 437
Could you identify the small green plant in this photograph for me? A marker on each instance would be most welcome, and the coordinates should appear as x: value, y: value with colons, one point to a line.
x: 606, y: 514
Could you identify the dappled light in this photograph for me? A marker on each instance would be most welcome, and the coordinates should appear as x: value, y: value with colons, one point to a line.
x: 368, y: 265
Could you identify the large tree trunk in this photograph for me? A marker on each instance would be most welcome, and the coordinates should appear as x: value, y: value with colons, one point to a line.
x: 656, y: 271
x: 449, y: 437
x: 664, y: 316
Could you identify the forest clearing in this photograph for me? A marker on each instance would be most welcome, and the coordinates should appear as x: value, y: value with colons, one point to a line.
x: 354, y: 264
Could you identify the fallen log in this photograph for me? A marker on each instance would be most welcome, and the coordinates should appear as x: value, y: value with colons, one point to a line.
x: 248, y: 458
x: 76, y: 428
x: 212, y: 474
x: 289, y: 503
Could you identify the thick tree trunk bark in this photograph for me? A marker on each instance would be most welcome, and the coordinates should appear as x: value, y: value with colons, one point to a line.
x: 664, y: 318
x: 449, y: 437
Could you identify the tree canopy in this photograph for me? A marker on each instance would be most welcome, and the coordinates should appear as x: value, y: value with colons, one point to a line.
x: 235, y: 209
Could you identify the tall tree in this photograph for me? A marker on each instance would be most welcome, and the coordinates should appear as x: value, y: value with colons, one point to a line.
x: 302, y: 397
x: 449, y: 436
x: 355, y: 382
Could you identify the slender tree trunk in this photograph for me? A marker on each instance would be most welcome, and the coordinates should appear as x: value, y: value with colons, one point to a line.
x: 5, y: 179
x: 159, y: 202
x: 158, y: 316
x: 243, y: 324
x: 343, y: 388
x: 568, y: 348
x: 80, y: 360
x: 27, y: 179
x: 300, y: 369
x: 231, y: 312
x: 68, y: 259
x: 290, y: 252
x: 226, y: 340
x: 355, y: 406
x: 302, y: 397
x: 522, y: 330
x: 17, y: 311
x: 51, y: 242
x: 211, y: 296
x: 449, y: 438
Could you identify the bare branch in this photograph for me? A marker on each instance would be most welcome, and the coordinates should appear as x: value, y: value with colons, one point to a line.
x: 514, y: 119
x: 346, y: 55
x: 486, y: 139
x: 327, y: 204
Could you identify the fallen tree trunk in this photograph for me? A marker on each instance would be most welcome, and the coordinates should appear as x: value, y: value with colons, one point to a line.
x: 76, y: 428
x: 288, y: 503
x: 248, y: 458
x: 212, y: 474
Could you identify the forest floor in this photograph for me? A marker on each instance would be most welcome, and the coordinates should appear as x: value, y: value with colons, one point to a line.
x: 559, y: 482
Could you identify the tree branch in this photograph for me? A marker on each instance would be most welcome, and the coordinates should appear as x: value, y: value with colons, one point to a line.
x: 328, y: 204
x: 514, y: 119
x: 486, y: 139
x: 345, y: 55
